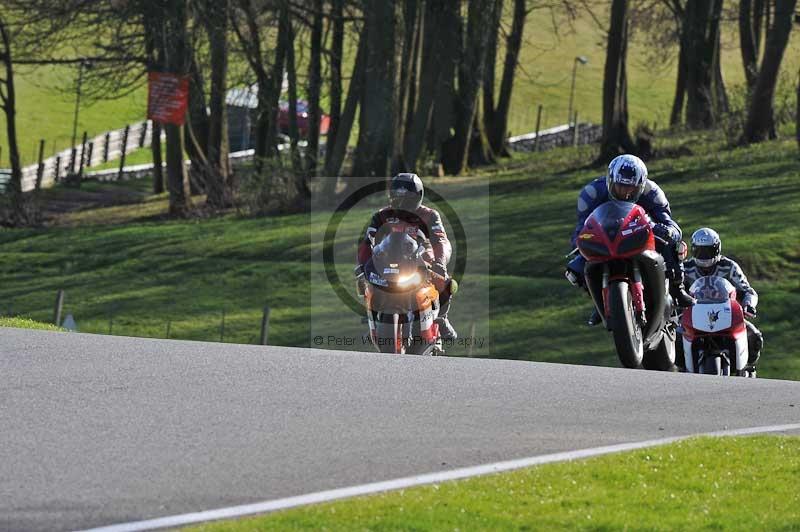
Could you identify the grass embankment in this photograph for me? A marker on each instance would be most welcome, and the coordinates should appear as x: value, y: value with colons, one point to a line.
x: 25, y: 323
x: 127, y: 270
x: 750, y: 483
x: 46, y: 95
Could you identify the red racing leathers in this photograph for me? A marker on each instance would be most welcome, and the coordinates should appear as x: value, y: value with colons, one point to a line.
x: 425, y: 225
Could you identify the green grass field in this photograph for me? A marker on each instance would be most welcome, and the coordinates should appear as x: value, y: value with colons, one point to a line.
x: 129, y: 271
x: 750, y: 483
x: 47, y: 95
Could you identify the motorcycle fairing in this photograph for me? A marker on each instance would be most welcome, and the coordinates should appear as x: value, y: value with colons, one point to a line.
x: 615, y: 230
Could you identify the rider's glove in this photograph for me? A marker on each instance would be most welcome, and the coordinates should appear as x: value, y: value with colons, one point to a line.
x: 749, y: 311
x: 439, y: 268
x: 665, y: 232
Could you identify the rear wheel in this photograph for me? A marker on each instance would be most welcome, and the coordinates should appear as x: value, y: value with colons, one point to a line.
x: 662, y: 358
x: 624, y: 327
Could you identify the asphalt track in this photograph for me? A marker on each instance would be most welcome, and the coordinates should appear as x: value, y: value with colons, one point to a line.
x: 97, y: 430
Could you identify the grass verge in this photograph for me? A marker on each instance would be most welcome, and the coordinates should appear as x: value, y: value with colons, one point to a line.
x: 745, y: 483
x: 26, y: 323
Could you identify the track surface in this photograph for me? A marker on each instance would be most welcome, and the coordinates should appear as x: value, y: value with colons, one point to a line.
x: 96, y: 430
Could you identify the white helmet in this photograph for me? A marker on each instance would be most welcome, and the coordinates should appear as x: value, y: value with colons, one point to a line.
x: 626, y: 178
x: 706, y: 247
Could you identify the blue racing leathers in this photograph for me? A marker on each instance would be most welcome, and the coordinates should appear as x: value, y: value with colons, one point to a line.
x: 654, y: 202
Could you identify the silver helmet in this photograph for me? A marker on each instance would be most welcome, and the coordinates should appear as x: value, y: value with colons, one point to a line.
x: 706, y: 247
x: 626, y: 178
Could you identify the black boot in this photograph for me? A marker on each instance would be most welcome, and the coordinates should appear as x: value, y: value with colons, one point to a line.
x: 679, y: 294
x: 595, y: 318
x: 446, y: 330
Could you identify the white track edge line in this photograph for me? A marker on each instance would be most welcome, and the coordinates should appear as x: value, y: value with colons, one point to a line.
x: 407, y: 482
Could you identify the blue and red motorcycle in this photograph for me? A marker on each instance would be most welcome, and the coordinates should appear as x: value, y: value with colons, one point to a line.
x: 626, y: 278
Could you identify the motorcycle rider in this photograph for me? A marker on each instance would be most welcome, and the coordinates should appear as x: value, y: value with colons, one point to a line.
x: 627, y: 180
x: 707, y: 259
x: 406, y: 212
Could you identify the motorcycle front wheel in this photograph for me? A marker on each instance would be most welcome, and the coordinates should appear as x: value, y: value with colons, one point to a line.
x: 625, y: 328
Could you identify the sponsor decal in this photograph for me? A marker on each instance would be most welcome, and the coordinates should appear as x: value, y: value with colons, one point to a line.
x: 713, y: 317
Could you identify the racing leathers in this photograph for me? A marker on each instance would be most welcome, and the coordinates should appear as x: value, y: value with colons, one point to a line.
x: 745, y: 294
x: 425, y: 225
x: 655, y: 203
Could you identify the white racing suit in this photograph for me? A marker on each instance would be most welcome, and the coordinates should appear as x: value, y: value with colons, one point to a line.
x: 745, y: 294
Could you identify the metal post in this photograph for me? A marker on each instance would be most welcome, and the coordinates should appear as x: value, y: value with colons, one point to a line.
x: 57, y: 169
x: 81, y: 66
x: 89, y: 156
x: 105, y: 147
x: 40, y: 168
x: 582, y: 60
x: 124, y: 149
x: 575, y: 130
x: 222, y: 327
x: 572, y: 90
x: 265, y: 326
x: 538, y: 123
x: 143, y: 134
x: 59, y: 307
x: 83, y: 154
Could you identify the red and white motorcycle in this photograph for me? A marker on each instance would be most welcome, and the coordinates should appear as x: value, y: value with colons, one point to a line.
x: 714, y: 331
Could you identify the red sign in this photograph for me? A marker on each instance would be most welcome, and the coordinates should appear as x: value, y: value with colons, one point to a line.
x: 167, y: 97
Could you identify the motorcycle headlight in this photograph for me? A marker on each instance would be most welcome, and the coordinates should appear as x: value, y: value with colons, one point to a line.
x: 410, y: 280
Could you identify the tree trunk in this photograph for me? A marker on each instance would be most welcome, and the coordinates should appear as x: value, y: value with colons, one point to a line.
x: 291, y: 75
x: 616, y: 137
x: 337, y: 50
x: 497, y: 136
x: 721, y: 104
x: 676, y: 116
x: 760, y: 120
x: 470, y: 79
x: 8, y: 102
x: 488, y: 114
x: 439, y: 44
x: 747, y: 42
x: 218, y: 186
x: 333, y: 167
x: 176, y: 60
x: 378, y: 104
x: 405, y: 60
x: 196, y: 129
x: 314, y: 89
x: 703, y: 18
x: 155, y: 148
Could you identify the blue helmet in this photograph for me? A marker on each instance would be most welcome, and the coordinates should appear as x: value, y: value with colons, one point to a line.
x: 626, y: 179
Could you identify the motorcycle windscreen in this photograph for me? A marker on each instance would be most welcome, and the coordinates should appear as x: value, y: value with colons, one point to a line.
x: 611, y: 215
x: 712, y: 289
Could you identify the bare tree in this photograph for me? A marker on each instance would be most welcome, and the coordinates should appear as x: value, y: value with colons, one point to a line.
x: 702, y: 61
x: 8, y: 104
x: 496, y: 117
x: 760, y: 123
x: 251, y: 22
x: 440, y: 51
x: 219, y: 187
x: 314, y: 89
x: 378, y: 100
x: 470, y: 79
x: 616, y: 137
